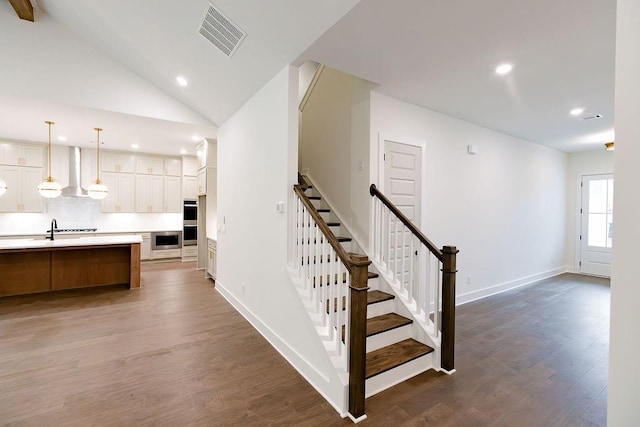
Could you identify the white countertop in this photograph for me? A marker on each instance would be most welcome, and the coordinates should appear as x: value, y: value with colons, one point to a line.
x: 61, y: 243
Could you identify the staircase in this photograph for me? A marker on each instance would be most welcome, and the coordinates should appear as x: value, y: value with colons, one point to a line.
x: 396, y: 348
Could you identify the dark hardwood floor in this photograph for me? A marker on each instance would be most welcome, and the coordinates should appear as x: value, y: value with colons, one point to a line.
x: 175, y: 353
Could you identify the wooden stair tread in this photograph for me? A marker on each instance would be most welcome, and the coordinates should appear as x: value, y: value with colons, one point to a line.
x: 333, y: 224
x: 322, y: 210
x: 314, y: 197
x: 386, y: 322
x: 375, y: 296
x: 343, y: 239
x: 392, y: 356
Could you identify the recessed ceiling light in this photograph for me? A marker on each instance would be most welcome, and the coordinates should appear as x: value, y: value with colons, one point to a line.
x: 183, y: 151
x: 196, y: 138
x: 62, y: 138
x: 576, y: 111
x: 182, y: 81
x: 135, y: 146
x: 503, y: 69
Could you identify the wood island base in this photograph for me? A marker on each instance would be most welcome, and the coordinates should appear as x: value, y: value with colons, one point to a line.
x: 30, y: 270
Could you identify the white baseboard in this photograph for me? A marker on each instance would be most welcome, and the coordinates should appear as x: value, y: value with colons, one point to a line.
x: 291, y: 355
x: 507, y: 286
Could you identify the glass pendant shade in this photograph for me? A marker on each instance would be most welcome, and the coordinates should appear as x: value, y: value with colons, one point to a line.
x: 50, y: 188
x: 3, y: 187
x: 98, y: 190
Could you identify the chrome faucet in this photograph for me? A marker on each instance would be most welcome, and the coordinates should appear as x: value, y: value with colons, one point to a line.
x: 54, y: 223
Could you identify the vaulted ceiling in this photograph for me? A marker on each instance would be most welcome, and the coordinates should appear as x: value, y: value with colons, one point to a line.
x: 114, y: 63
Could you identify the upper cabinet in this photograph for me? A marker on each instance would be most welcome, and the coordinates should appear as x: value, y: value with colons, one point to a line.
x: 149, y: 165
x: 172, y: 167
x: 190, y: 166
x: 118, y: 162
x: 21, y: 155
x: 207, y: 153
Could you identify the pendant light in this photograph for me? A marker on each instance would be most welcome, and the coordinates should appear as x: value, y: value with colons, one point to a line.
x: 98, y: 190
x: 49, y: 188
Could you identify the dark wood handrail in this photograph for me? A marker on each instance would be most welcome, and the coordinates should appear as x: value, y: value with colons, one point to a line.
x: 331, y: 238
x: 373, y: 190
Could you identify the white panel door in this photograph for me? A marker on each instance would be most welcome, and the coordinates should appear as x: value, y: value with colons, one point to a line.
x: 402, y: 185
x: 596, y: 237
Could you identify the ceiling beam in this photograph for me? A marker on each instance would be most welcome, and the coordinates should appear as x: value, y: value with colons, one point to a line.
x: 23, y: 8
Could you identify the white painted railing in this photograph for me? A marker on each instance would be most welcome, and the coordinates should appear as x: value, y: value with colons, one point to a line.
x: 408, y: 265
x: 323, y: 283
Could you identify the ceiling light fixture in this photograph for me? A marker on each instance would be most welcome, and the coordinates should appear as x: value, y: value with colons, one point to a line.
x: 182, y: 81
x: 183, y: 151
x: 609, y: 146
x: 98, y: 190
x: 62, y: 138
x: 196, y: 138
x: 576, y: 111
x: 136, y: 146
x: 503, y: 69
x: 49, y: 188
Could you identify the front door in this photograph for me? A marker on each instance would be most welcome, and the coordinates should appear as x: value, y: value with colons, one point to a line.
x: 596, y: 238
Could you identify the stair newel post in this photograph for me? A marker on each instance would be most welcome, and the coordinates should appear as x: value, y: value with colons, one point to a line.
x: 358, y: 334
x: 448, y: 306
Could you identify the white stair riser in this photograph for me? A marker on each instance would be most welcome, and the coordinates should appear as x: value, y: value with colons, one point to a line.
x: 397, y: 375
x: 384, y: 339
x: 380, y: 308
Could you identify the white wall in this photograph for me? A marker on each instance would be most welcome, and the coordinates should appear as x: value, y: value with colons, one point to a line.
x: 334, y: 139
x: 624, y: 369
x: 257, y: 167
x: 504, y: 208
x: 581, y: 163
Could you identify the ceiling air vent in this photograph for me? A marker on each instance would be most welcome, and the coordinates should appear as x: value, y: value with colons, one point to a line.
x: 220, y: 31
x: 597, y: 116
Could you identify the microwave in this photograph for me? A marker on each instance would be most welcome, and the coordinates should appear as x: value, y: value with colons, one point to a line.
x: 166, y: 240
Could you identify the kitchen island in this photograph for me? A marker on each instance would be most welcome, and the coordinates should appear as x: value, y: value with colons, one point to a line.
x: 38, y: 265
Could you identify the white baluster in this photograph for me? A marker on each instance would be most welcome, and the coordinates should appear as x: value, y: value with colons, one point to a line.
x: 402, y: 250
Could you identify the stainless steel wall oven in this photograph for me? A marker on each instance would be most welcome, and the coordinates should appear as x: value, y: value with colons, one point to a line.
x: 190, y: 223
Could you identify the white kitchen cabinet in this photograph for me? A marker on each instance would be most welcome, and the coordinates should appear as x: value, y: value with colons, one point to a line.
x: 190, y: 187
x: 149, y: 165
x: 172, y: 167
x: 190, y: 166
x: 172, y: 194
x: 166, y: 253
x: 22, y: 194
x: 145, y: 246
x: 202, y: 182
x: 201, y: 154
x: 149, y: 193
x: 189, y: 252
x: 211, y: 258
x: 117, y: 162
x: 121, y: 192
x: 21, y: 155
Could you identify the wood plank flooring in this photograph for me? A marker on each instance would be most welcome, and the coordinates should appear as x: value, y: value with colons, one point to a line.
x: 175, y: 353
